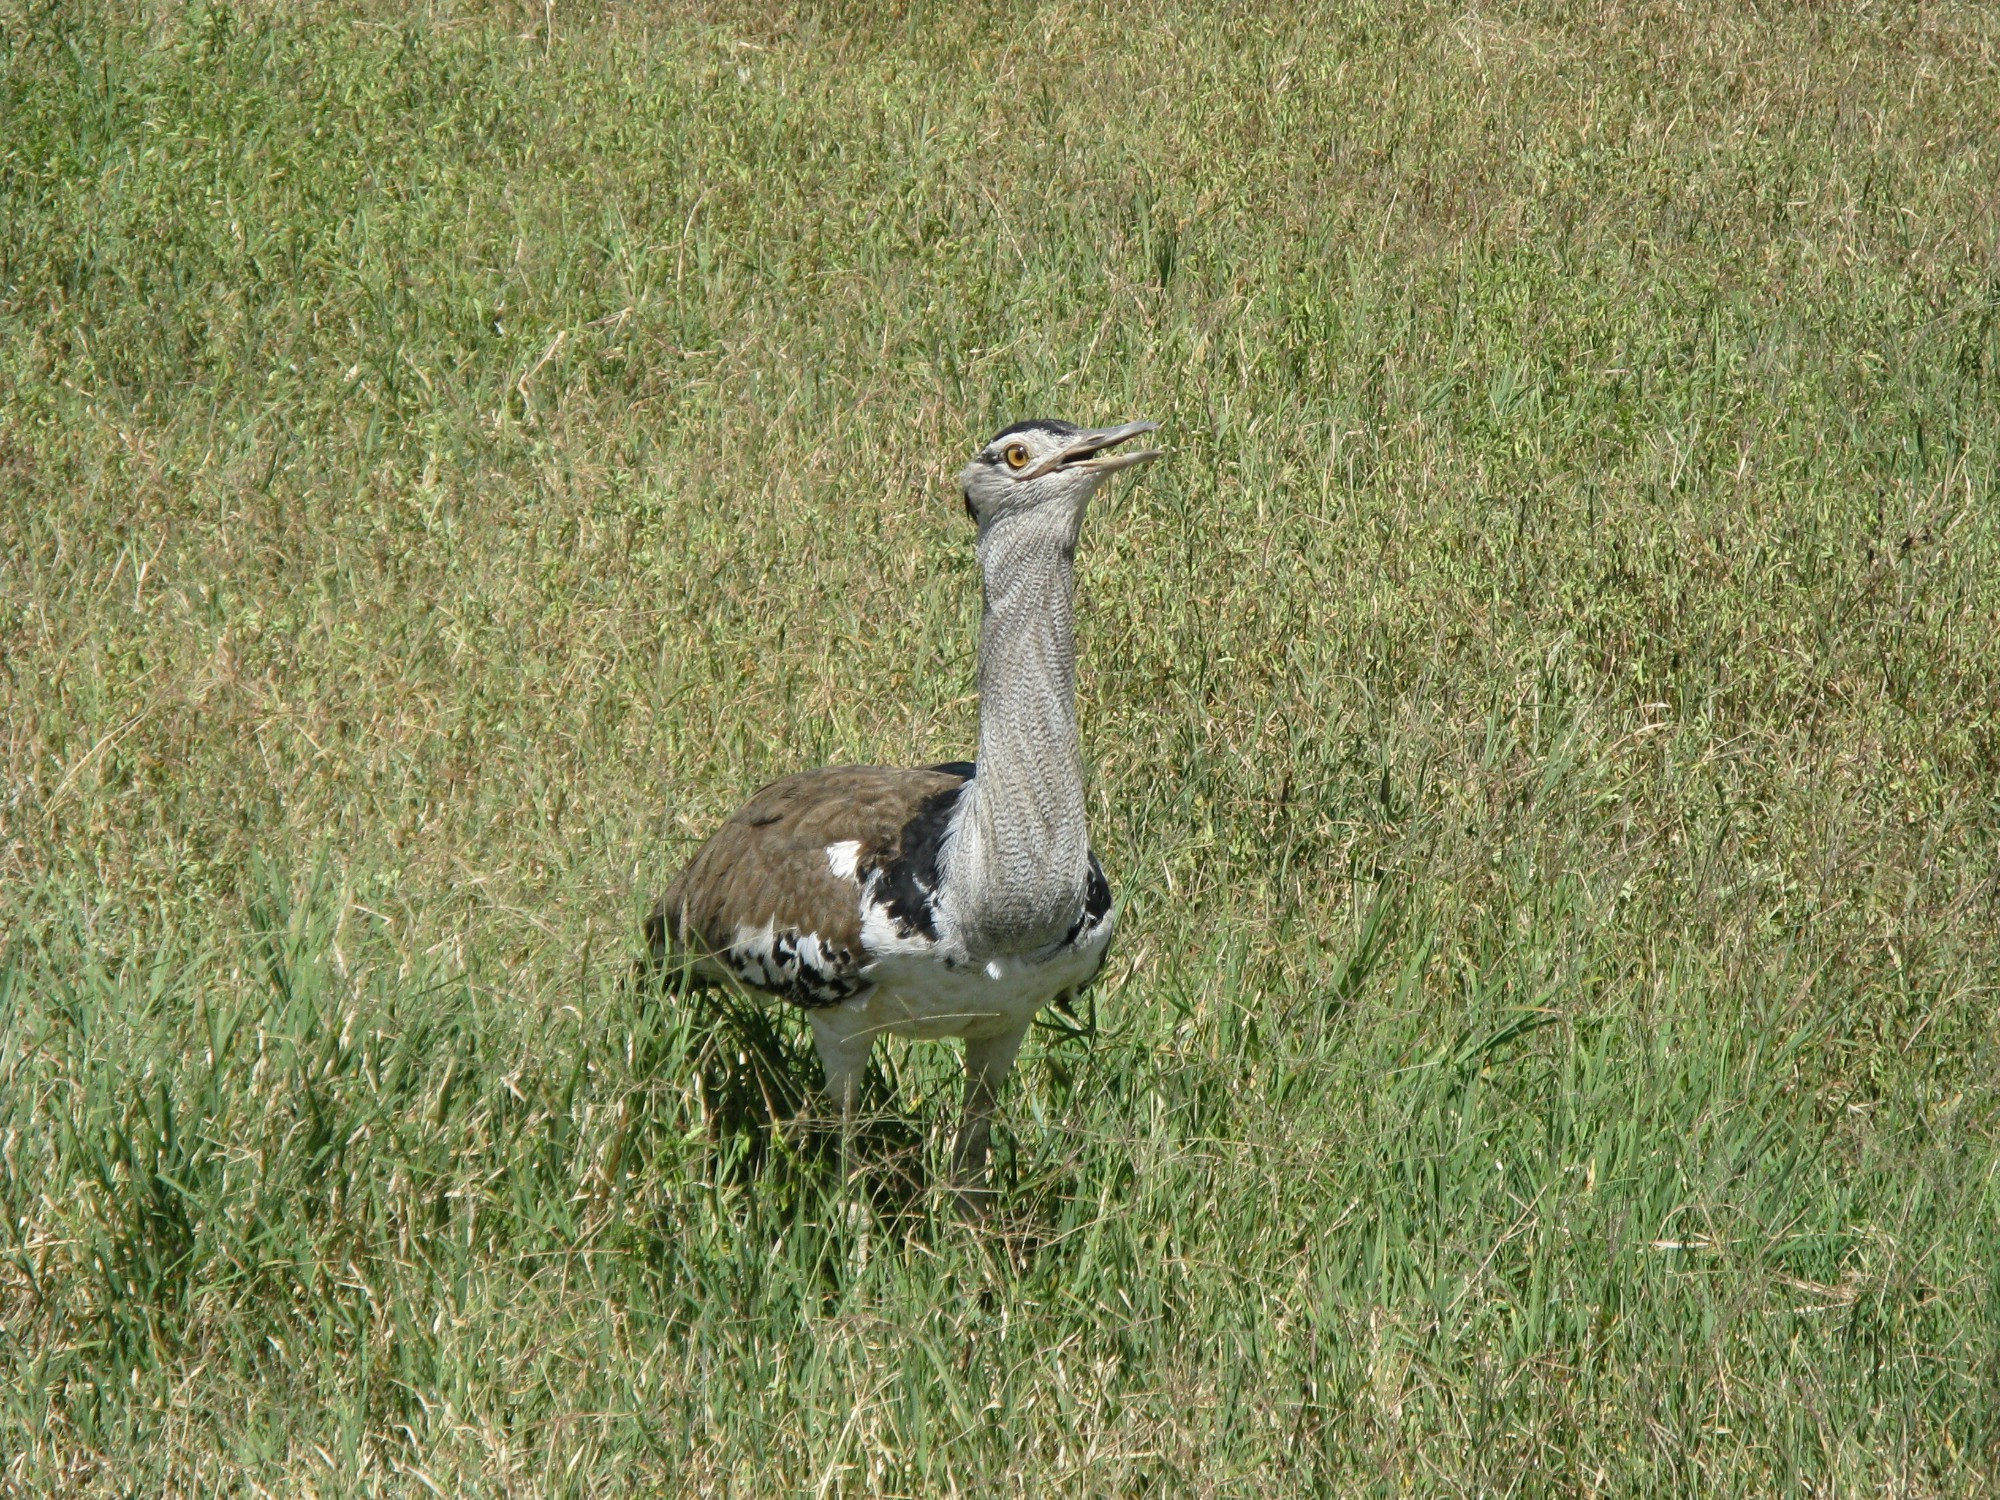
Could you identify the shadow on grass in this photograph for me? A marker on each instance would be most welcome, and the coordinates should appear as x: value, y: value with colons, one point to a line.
x: 756, y: 1089
x: 752, y: 1078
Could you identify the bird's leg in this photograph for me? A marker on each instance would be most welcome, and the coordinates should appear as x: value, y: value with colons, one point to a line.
x: 988, y: 1060
x: 843, y: 1054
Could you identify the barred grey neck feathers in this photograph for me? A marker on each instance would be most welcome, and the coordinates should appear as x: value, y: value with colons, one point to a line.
x: 1016, y: 857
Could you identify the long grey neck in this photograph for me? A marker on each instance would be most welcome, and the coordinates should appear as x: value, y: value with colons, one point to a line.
x: 1017, y: 863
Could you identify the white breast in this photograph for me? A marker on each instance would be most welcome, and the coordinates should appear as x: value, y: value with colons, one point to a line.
x: 913, y: 990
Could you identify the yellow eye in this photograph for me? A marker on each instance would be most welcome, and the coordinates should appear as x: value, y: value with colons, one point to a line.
x: 1016, y: 456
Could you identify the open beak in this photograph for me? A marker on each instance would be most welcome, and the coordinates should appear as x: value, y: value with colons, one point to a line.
x: 1091, y: 451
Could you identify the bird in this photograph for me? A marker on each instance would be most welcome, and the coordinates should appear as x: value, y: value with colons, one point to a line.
x: 953, y: 900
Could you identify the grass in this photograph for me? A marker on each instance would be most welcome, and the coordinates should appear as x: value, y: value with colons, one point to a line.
x: 1544, y: 719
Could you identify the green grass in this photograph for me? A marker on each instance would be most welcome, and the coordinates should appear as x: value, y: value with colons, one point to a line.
x: 1544, y: 719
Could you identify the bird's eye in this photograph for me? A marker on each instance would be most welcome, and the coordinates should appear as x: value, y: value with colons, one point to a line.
x: 1016, y: 456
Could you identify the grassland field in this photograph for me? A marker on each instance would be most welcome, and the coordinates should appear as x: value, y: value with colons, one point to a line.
x: 1543, y: 719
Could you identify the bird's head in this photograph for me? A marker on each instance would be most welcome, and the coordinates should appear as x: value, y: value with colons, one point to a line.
x: 1045, y: 464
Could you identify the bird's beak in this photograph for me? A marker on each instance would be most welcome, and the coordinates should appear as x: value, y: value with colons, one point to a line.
x: 1088, y: 451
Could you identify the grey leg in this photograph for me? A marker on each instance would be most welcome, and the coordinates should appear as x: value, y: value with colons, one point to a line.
x: 988, y: 1061
x: 843, y: 1054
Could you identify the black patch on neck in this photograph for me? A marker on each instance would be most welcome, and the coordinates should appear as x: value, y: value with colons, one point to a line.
x: 1096, y: 901
x: 908, y: 877
x: 1097, y: 896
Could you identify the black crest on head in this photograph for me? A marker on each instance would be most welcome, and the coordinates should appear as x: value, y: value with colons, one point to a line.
x: 1035, y: 424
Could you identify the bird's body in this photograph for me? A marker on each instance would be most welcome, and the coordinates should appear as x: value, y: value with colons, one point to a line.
x: 823, y: 891
x: 956, y: 900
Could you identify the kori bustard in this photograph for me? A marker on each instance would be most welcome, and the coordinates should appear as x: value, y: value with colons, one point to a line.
x: 956, y: 900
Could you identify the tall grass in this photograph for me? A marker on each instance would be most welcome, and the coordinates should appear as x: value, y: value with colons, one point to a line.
x: 1544, y: 719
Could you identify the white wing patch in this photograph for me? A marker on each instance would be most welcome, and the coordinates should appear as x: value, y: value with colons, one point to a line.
x: 841, y: 857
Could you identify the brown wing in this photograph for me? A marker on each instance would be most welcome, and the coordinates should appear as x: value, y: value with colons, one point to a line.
x: 762, y: 903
